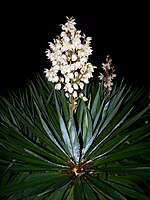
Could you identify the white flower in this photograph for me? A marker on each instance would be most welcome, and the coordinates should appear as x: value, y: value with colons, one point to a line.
x: 46, y: 71
x: 69, y: 54
x: 53, y: 56
x: 85, y: 80
x: 66, y: 39
x: 70, y: 89
x: 63, y: 34
x: 83, y: 60
x: 61, y: 79
x: 74, y: 57
x: 81, y: 85
x: 54, y: 62
x: 88, y: 40
x: 56, y: 79
x: 75, y: 86
x: 58, y: 45
x: 101, y: 76
x: 74, y: 94
x: 48, y: 53
x: 108, y: 74
x: 76, y: 74
x: 84, y: 98
x: 67, y: 80
x: 68, y: 85
x: 67, y: 95
x: 77, y: 65
x: 52, y: 46
x: 113, y: 75
x: 70, y: 75
x: 58, y: 86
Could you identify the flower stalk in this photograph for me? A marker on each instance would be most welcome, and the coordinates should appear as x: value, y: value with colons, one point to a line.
x: 70, y: 69
x: 108, y: 75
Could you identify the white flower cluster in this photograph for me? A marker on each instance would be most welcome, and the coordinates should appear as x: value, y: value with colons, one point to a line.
x: 108, y: 73
x: 69, y: 56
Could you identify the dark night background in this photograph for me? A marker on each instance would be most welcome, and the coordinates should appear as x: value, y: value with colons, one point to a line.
x: 122, y: 32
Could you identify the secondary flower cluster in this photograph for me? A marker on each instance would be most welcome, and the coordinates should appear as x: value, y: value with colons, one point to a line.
x: 108, y: 74
x: 69, y: 56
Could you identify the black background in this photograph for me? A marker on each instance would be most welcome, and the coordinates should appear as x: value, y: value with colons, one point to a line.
x: 120, y: 30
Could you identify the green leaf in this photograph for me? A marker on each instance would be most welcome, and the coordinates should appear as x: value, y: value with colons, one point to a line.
x: 74, y: 139
x: 107, y: 147
x: 57, y: 194
x: 95, y: 104
x: 80, y: 114
x: 36, y: 183
x: 116, y: 122
x: 87, y: 128
x: 139, y: 170
x: 128, y: 192
x: 28, y: 147
x: 56, y: 146
x: 64, y: 131
x: 126, y: 152
x: 78, y: 190
x: 65, y: 107
x: 88, y: 191
x: 104, y: 188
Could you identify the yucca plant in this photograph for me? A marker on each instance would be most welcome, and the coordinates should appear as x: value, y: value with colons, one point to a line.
x: 67, y: 136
